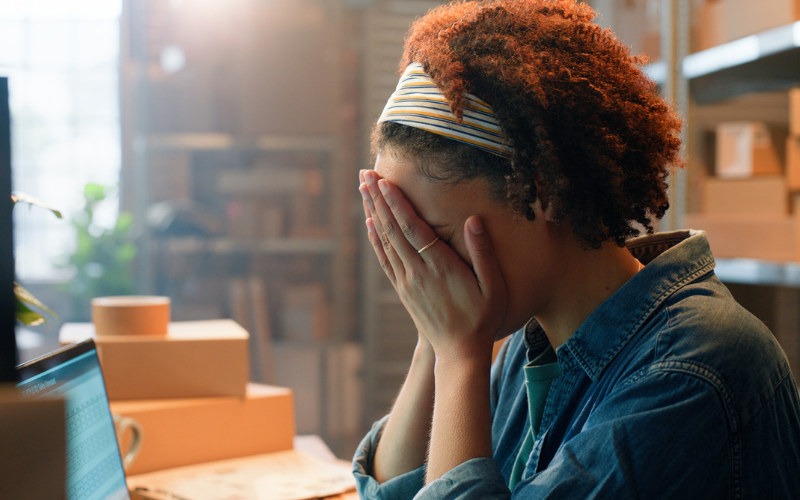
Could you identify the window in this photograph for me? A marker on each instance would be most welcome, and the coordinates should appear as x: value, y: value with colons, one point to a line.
x: 62, y: 60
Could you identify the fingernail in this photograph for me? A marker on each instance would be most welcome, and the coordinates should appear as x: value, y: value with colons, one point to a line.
x: 361, y: 176
x: 370, y: 177
x: 383, y: 186
x: 370, y: 225
x: 475, y: 226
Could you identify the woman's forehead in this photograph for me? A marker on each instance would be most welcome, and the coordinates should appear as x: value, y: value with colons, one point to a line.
x: 418, y: 190
x: 433, y: 203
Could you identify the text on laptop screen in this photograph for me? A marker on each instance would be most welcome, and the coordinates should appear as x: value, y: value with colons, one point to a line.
x: 94, y: 467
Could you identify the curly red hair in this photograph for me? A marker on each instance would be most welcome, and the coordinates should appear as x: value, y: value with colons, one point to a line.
x: 591, y: 133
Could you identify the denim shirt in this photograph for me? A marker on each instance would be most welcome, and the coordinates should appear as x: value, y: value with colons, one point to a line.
x: 670, y: 389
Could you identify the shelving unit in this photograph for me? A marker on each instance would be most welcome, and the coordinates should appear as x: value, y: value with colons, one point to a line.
x: 745, y: 79
x: 758, y: 272
x: 250, y: 143
x: 759, y: 63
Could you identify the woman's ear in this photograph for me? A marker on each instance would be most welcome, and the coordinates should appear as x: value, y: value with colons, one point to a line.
x: 545, y: 213
x: 542, y: 207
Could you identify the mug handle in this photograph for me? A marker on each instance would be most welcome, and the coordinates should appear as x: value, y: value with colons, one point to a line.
x: 122, y: 424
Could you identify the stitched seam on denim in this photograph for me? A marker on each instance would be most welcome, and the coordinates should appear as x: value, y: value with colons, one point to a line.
x: 766, y: 401
x: 636, y: 376
x: 709, y: 375
x: 704, y: 266
x: 656, y: 352
x: 715, y: 381
x: 552, y: 408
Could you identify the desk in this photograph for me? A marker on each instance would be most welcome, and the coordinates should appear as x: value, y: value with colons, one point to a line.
x: 308, y: 471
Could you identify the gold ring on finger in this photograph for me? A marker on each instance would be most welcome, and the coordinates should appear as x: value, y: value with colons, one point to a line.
x: 428, y: 245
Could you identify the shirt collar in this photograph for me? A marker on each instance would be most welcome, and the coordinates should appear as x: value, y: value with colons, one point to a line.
x: 672, y: 260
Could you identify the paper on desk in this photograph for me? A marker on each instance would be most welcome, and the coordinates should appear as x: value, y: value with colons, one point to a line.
x: 285, y: 475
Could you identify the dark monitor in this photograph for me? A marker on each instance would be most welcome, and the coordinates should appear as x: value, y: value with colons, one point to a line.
x: 8, y: 342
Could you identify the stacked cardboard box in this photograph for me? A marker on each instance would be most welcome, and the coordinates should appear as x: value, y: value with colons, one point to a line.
x: 189, y: 390
x: 747, y: 207
x: 723, y: 21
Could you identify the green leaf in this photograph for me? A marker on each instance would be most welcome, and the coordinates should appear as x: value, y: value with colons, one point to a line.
x: 25, y: 297
x: 30, y: 200
x: 94, y: 192
x: 26, y: 316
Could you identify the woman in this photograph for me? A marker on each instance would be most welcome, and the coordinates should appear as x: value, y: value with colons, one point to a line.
x: 519, y: 157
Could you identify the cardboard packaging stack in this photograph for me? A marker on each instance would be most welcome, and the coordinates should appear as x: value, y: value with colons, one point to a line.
x: 723, y: 21
x: 189, y: 391
x: 750, y: 207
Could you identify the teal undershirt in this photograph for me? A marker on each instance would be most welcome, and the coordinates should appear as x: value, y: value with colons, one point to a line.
x: 539, y: 374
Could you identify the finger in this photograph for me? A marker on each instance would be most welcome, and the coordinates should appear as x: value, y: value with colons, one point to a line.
x: 415, y: 230
x: 391, y: 228
x: 367, y: 213
x: 380, y: 224
x: 372, y: 234
x: 368, y: 207
x: 378, y: 247
x: 484, y: 260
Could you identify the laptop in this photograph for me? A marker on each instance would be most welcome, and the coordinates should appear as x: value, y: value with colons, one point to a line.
x: 94, y: 465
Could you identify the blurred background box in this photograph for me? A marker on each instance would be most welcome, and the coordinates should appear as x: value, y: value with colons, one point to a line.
x: 301, y: 367
x: 793, y: 163
x: 794, y: 112
x: 744, y: 149
x: 178, y: 432
x: 742, y: 18
x: 195, y: 359
x: 767, y: 194
x: 305, y: 313
x: 709, y: 28
x: 767, y: 237
x: 32, y: 447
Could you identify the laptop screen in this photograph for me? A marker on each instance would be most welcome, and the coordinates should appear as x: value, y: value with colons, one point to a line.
x: 94, y: 466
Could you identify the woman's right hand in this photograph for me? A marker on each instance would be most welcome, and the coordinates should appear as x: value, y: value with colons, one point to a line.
x: 403, y: 445
x: 458, y: 306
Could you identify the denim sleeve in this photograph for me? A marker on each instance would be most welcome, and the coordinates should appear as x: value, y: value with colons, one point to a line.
x: 664, y: 435
x: 479, y: 478
x: 401, y: 487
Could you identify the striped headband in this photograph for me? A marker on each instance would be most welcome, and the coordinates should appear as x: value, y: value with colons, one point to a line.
x: 418, y: 102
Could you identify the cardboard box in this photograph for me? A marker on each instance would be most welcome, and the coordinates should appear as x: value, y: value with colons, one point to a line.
x: 745, y: 149
x: 794, y: 112
x: 757, y: 195
x: 195, y: 359
x: 766, y: 237
x: 178, y: 432
x: 33, y: 446
x: 709, y: 26
x: 742, y: 18
x: 793, y: 163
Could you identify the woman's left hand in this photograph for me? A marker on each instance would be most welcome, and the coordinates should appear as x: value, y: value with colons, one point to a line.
x: 459, y: 311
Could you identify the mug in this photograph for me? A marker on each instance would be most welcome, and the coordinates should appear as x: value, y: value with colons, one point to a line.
x: 121, y: 425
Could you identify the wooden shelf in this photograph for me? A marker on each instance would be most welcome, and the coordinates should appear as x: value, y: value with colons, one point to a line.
x: 226, y: 142
x: 758, y: 272
x: 226, y: 246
